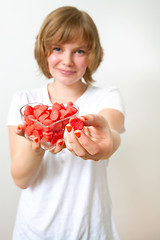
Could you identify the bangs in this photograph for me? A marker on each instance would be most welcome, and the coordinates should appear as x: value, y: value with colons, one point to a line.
x: 70, y: 31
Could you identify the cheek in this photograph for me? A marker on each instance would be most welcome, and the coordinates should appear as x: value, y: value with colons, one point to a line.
x: 83, y: 63
x: 84, y: 66
x: 52, y: 60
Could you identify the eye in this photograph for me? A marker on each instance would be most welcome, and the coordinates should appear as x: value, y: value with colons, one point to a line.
x: 56, y: 49
x: 79, y: 51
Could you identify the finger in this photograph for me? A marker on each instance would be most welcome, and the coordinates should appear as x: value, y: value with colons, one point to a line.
x: 77, y: 149
x: 36, y: 145
x: 59, y: 146
x: 90, y: 146
x: 95, y: 120
x: 20, y: 129
x: 67, y: 137
x: 73, y: 144
x: 68, y: 129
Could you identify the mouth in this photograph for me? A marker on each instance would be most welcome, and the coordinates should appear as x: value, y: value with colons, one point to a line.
x: 66, y: 72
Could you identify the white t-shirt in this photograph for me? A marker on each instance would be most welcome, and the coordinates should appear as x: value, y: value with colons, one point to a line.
x: 70, y: 198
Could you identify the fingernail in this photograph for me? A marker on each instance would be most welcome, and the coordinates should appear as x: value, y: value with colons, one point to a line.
x: 36, y: 140
x: 69, y: 128
x: 60, y: 143
x: 78, y: 134
x: 84, y: 117
x: 19, y: 127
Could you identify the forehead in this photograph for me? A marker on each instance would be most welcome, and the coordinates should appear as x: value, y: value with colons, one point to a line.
x: 72, y: 34
x: 74, y: 44
x: 72, y: 37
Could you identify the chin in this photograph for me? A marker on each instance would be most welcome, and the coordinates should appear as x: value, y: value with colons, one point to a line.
x: 69, y: 82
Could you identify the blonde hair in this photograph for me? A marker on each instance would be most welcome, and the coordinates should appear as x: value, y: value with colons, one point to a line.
x: 63, y: 25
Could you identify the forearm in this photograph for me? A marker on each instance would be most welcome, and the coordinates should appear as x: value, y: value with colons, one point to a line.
x: 112, y: 145
x: 25, y: 165
x: 115, y: 122
x: 116, y: 141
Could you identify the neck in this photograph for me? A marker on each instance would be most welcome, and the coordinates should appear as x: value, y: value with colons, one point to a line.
x: 64, y: 93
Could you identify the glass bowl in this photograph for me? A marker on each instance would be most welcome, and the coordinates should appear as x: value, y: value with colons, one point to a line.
x: 42, y: 123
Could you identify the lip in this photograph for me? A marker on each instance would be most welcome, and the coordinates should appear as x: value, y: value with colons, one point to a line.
x: 66, y: 72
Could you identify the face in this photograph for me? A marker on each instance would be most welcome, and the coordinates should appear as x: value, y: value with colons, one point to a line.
x: 68, y: 62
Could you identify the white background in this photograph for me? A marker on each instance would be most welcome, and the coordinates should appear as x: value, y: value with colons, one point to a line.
x: 130, y: 35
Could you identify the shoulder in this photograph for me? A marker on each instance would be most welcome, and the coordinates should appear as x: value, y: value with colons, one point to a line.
x: 108, y: 94
x: 29, y: 96
x: 21, y: 98
x: 107, y: 97
x: 102, y: 91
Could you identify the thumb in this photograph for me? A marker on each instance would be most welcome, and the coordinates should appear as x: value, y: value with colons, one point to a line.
x: 36, y: 145
x: 95, y: 120
x: 20, y: 129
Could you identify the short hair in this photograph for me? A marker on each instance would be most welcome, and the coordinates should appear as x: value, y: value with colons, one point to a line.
x: 63, y: 25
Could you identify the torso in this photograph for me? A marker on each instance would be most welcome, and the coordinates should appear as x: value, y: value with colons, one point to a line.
x: 63, y: 94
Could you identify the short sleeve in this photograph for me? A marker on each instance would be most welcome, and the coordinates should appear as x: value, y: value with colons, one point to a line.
x: 18, y: 100
x: 23, y: 97
x: 111, y: 98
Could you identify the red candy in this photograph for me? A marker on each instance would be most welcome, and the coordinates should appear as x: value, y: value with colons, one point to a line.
x: 54, y: 115
x: 28, y: 110
x: 29, y: 120
x: 76, y: 123
x: 38, y: 133
x: 29, y: 130
x: 44, y: 117
x: 48, y: 136
x: 38, y: 112
x: 70, y: 108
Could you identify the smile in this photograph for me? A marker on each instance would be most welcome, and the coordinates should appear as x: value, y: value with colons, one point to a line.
x: 66, y: 72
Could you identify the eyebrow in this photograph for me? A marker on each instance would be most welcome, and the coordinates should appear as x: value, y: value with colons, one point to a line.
x: 81, y: 46
x: 76, y: 47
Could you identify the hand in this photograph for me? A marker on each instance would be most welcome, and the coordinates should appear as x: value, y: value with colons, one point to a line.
x: 93, y: 142
x: 35, y: 144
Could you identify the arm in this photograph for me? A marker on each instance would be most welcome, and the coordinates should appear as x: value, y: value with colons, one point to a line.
x: 26, y: 157
x: 100, y: 137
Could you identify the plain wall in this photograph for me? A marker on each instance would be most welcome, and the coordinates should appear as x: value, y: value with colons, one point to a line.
x: 130, y: 35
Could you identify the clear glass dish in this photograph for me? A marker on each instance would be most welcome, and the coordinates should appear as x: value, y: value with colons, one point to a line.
x: 49, y: 132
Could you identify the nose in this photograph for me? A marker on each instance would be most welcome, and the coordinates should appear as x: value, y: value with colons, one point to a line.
x: 67, y: 59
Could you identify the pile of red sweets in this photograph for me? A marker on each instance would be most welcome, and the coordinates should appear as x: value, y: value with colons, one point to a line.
x: 47, y: 116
